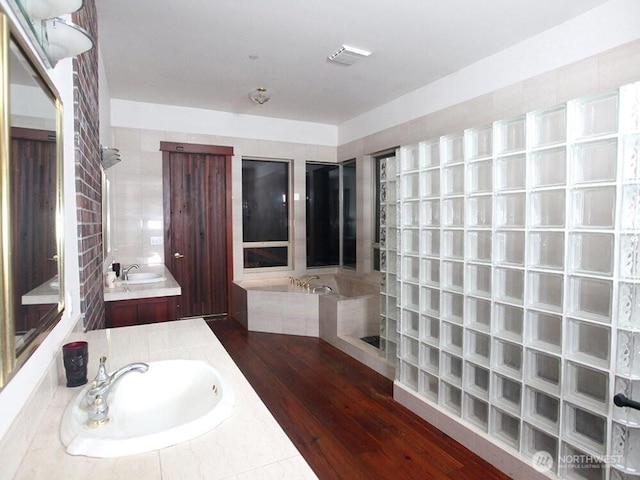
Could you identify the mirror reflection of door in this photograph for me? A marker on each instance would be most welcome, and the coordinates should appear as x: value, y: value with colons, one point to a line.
x: 197, y: 202
x: 33, y: 192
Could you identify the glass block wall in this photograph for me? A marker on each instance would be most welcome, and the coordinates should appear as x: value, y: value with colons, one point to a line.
x: 511, y: 269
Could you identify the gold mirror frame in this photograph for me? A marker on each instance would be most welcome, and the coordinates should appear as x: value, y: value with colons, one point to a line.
x: 10, y: 361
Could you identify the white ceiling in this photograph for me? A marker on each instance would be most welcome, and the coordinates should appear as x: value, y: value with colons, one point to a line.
x: 196, y: 53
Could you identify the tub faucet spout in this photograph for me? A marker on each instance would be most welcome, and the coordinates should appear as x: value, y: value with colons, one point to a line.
x: 306, y: 282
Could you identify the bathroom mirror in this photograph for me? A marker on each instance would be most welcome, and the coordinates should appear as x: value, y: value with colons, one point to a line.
x: 31, y: 284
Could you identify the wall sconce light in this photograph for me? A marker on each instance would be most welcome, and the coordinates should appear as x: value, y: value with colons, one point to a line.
x: 43, y: 9
x: 64, y: 39
x: 109, y: 156
x: 260, y: 96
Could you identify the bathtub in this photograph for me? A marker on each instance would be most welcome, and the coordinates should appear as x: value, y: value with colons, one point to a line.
x: 277, y: 306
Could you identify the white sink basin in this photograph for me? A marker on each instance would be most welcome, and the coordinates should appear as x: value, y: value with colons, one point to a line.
x: 174, y: 401
x: 144, y: 277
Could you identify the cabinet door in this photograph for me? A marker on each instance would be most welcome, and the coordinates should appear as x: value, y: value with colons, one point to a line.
x: 153, y: 310
x: 121, y: 314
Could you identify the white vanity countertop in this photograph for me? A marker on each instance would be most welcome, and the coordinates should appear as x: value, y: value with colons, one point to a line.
x: 248, y: 446
x: 166, y: 288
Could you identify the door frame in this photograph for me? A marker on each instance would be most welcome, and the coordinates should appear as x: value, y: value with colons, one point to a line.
x: 179, y: 147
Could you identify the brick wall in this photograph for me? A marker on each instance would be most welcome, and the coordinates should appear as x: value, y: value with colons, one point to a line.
x: 88, y: 174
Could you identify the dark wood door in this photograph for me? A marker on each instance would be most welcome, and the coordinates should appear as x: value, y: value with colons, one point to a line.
x: 197, y: 218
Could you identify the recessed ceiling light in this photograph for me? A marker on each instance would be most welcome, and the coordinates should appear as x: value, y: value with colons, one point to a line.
x: 348, y: 55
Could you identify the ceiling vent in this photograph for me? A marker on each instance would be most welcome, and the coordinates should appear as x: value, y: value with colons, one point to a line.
x: 348, y: 55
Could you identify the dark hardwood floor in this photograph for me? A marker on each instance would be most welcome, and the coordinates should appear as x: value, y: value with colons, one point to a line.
x: 341, y: 415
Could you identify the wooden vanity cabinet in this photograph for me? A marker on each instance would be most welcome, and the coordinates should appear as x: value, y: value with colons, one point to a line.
x: 139, y: 311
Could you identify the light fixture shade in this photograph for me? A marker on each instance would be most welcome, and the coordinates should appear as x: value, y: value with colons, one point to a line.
x: 260, y: 96
x: 109, y: 156
x: 65, y: 39
x: 43, y: 9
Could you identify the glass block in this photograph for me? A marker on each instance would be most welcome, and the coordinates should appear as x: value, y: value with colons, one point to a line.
x: 453, y: 180
x: 478, y: 280
x: 544, y: 330
x: 480, y: 177
x: 452, y: 149
x: 505, y: 428
x: 453, y: 212
x: 410, y: 214
x: 547, y: 209
x: 391, y: 193
x: 453, y: 243
x: 476, y: 412
x: 588, y: 343
x: 451, y: 398
x: 509, y: 285
x: 510, y: 210
x: 478, y: 313
x: 409, y: 350
x: 410, y: 296
x: 429, y: 154
x: 451, y: 369
x: 630, y: 257
x: 430, y: 271
x: 535, y: 441
x: 479, y: 245
x: 511, y: 135
x: 594, y: 161
x: 428, y: 386
x: 409, y: 158
x: 508, y: 322
x: 479, y: 211
x: 430, y: 242
x: 586, y: 386
x: 392, y: 285
x: 506, y: 393
x: 430, y: 329
x: 478, y: 348
x: 479, y: 142
x: 411, y: 269
x: 410, y: 186
x: 430, y: 301
x: 430, y: 358
x: 548, y: 168
x: 546, y: 250
x: 430, y: 183
x: 631, y: 158
x: 507, y: 358
x: 410, y: 323
x: 625, y: 447
x: 628, y: 305
x: 591, y: 253
x: 628, y: 353
x: 411, y: 240
x: 582, y: 466
x: 585, y: 428
x: 630, y: 389
x: 409, y: 375
x: 476, y: 380
x: 453, y: 275
x: 542, y: 409
x: 630, y: 107
x: 590, y: 298
x: 593, y: 207
x: 543, y: 371
x: 630, y: 218
x: 511, y: 173
x: 621, y: 475
x: 509, y: 248
x: 549, y: 126
x: 430, y: 213
x: 545, y: 291
x: 597, y: 115
x: 451, y: 338
x: 452, y: 307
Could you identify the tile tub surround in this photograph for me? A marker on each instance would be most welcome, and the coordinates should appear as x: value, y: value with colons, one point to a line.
x: 250, y: 444
x: 276, y: 306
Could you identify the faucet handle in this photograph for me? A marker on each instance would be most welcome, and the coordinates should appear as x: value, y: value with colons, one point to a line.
x: 102, y: 375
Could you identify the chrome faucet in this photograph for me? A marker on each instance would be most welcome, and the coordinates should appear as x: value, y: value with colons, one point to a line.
x: 97, y: 395
x: 125, y: 271
x: 308, y: 280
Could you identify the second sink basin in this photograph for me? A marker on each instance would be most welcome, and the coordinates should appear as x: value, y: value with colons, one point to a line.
x: 144, y: 277
x: 174, y: 401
